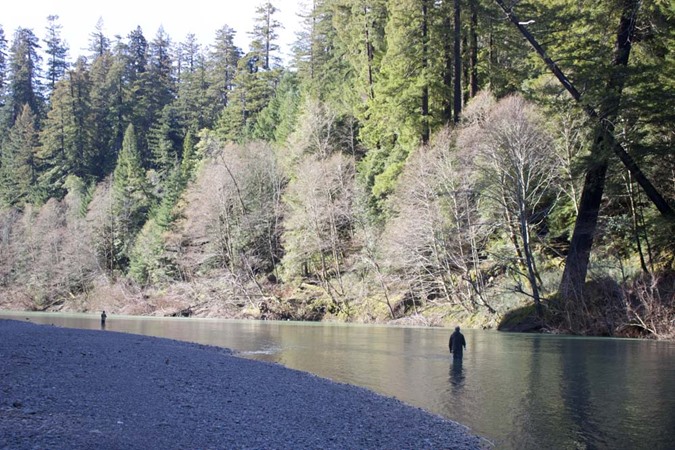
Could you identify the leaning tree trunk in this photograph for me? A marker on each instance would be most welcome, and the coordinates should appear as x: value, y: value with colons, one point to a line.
x: 605, y: 126
x: 576, y: 265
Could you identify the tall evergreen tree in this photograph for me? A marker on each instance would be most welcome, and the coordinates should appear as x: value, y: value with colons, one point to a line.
x: 320, y: 58
x: 256, y: 78
x: 99, y: 43
x: 264, y: 36
x: 24, y: 85
x: 160, y: 84
x: 193, y: 100
x: 131, y: 199
x: 408, y: 98
x: 165, y: 140
x: 222, y: 66
x: 106, y: 118
x: 18, y: 168
x: 4, y: 76
x: 68, y: 136
x: 3, y: 65
x: 138, y: 96
x: 57, y: 52
x: 360, y: 36
x: 254, y: 89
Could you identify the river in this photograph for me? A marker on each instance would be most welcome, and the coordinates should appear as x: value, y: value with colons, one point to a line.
x: 519, y: 391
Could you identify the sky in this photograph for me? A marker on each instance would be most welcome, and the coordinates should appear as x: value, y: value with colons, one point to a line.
x: 178, y: 18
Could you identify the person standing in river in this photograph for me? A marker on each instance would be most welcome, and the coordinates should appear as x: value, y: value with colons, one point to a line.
x: 457, y: 344
x: 103, y: 317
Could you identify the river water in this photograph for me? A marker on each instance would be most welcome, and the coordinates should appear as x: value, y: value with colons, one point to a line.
x: 519, y: 391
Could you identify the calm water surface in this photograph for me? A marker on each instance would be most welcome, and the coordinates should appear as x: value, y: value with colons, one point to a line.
x: 518, y: 391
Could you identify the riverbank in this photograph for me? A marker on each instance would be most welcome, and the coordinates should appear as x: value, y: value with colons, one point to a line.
x: 68, y: 388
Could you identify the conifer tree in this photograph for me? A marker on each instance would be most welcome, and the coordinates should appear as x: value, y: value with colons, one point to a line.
x: 408, y: 95
x: 57, y: 51
x: 138, y: 96
x: 131, y: 199
x: 222, y: 66
x: 165, y: 140
x: 68, y: 134
x: 315, y: 50
x: 18, y: 165
x: 193, y: 101
x: 279, y: 118
x: 106, y: 114
x: 99, y: 43
x: 160, y: 80
x: 189, y: 160
x: 256, y: 77
x: 3, y: 81
x: 24, y: 68
x: 3, y: 64
x: 253, y: 90
x: 360, y: 33
x: 264, y: 36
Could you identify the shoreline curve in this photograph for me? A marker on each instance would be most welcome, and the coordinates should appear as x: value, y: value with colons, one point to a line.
x: 70, y: 388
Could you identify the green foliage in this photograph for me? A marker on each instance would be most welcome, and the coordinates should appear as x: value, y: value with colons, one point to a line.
x: 222, y: 66
x: 149, y: 263
x: 189, y: 160
x: 131, y: 199
x: 24, y: 82
x: 254, y: 90
x: 56, y: 51
x: 166, y: 140
x: 18, y: 165
x: 385, y: 211
x: 68, y: 134
x: 279, y: 118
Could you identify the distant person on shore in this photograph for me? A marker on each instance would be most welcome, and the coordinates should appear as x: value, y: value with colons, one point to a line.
x: 103, y: 317
x: 457, y: 344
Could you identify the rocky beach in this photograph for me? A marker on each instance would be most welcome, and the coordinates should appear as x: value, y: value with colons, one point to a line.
x: 78, y: 389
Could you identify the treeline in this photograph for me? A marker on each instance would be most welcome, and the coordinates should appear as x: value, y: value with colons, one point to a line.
x: 416, y: 162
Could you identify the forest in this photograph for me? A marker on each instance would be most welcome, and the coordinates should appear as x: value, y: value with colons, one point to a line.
x: 489, y: 163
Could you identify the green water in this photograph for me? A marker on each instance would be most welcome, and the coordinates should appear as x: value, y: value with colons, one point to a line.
x: 518, y: 391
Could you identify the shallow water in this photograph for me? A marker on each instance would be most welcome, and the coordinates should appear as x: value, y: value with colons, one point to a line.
x: 518, y: 391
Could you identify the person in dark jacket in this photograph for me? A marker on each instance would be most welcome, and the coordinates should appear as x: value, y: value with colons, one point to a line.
x: 457, y: 344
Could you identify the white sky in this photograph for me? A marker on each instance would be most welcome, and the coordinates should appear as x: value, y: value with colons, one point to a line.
x: 178, y: 17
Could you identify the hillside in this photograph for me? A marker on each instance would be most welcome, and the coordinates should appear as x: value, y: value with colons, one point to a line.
x: 415, y: 163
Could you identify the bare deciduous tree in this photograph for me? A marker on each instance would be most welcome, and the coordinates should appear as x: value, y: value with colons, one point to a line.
x: 319, y: 223
x: 232, y: 221
x: 517, y: 166
x: 435, y: 237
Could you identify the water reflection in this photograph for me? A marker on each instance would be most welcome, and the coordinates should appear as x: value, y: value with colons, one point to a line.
x: 519, y: 391
x: 576, y: 396
x: 456, y: 374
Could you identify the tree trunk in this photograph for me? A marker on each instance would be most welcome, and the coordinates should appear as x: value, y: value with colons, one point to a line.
x: 532, y: 275
x: 473, y: 50
x: 447, y: 70
x: 605, y: 126
x: 457, y: 100
x: 370, y: 54
x: 577, y: 260
x: 425, y: 63
x: 576, y: 263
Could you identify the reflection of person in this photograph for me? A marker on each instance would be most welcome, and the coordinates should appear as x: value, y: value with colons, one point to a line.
x: 457, y: 344
x: 456, y: 374
x: 103, y: 317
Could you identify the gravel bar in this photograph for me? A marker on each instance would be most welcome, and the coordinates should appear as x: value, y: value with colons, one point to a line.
x: 65, y: 388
